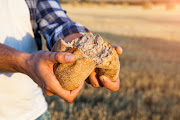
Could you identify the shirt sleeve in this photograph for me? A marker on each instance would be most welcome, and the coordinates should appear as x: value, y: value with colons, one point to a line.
x: 53, y: 22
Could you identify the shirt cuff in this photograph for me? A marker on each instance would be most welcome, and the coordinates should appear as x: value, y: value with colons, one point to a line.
x: 69, y: 28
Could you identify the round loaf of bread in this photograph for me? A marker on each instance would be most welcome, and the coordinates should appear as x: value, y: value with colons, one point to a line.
x: 91, y: 52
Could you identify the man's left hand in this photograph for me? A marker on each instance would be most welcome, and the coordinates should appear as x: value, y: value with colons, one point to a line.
x: 103, y: 81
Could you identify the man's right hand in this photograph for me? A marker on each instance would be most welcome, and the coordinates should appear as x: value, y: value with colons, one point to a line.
x: 39, y: 66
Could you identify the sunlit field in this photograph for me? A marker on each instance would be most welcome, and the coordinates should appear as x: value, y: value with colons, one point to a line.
x: 150, y: 64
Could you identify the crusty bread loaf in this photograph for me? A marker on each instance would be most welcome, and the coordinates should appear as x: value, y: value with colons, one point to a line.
x: 91, y: 52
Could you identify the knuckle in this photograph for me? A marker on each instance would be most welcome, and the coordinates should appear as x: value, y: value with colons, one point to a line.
x: 51, y: 56
x: 44, y: 55
x: 105, y: 84
x: 60, y: 56
x: 57, y: 56
x: 94, y: 85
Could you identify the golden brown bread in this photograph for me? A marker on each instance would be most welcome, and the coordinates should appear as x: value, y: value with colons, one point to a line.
x: 91, y: 52
x: 71, y: 75
x: 111, y: 69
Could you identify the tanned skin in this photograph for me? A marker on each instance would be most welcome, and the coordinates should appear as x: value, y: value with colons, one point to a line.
x: 39, y: 67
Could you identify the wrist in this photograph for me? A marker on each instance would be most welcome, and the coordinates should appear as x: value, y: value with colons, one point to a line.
x: 21, y: 65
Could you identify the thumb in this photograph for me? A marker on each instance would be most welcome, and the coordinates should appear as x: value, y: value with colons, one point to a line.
x: 62, y: 57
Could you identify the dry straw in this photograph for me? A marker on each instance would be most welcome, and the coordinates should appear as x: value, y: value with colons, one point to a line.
x: 101, y: 4
x: 148, y: 6
x: 125, y: 4
x: 75, y: 4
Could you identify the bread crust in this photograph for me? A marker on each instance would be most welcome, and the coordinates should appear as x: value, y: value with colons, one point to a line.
x: 71, y: 75
x: 111, y: 68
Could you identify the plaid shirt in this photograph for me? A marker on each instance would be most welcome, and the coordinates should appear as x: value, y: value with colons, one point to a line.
x: 50, y: 20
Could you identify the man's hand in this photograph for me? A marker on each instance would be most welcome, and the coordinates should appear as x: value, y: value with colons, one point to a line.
x: 39, y: 66
x: 40, y: 69
x: 100, y: 81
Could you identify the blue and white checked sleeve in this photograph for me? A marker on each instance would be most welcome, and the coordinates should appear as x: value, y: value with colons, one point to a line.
x: 52, y: 21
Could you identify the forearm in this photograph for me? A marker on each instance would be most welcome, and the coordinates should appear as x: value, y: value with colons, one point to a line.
x: 11, y: 60
x: 39, y: 67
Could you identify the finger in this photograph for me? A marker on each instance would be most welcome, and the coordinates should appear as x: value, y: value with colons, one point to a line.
x: 55, y: 87
x: 114, y: 86
x: 94, y: 80
x: 61, y: 57
x: 69, y: 96
x: 118, y: 49
x: 74, y: 93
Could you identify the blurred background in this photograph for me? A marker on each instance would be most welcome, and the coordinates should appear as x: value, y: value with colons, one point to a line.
x: 149, y: 33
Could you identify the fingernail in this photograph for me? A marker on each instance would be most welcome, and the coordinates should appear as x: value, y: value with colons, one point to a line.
x: 121, y: 50
x: 68, y: 57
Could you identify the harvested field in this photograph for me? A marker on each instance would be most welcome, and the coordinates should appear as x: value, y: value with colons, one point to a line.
x: 150, y: 65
